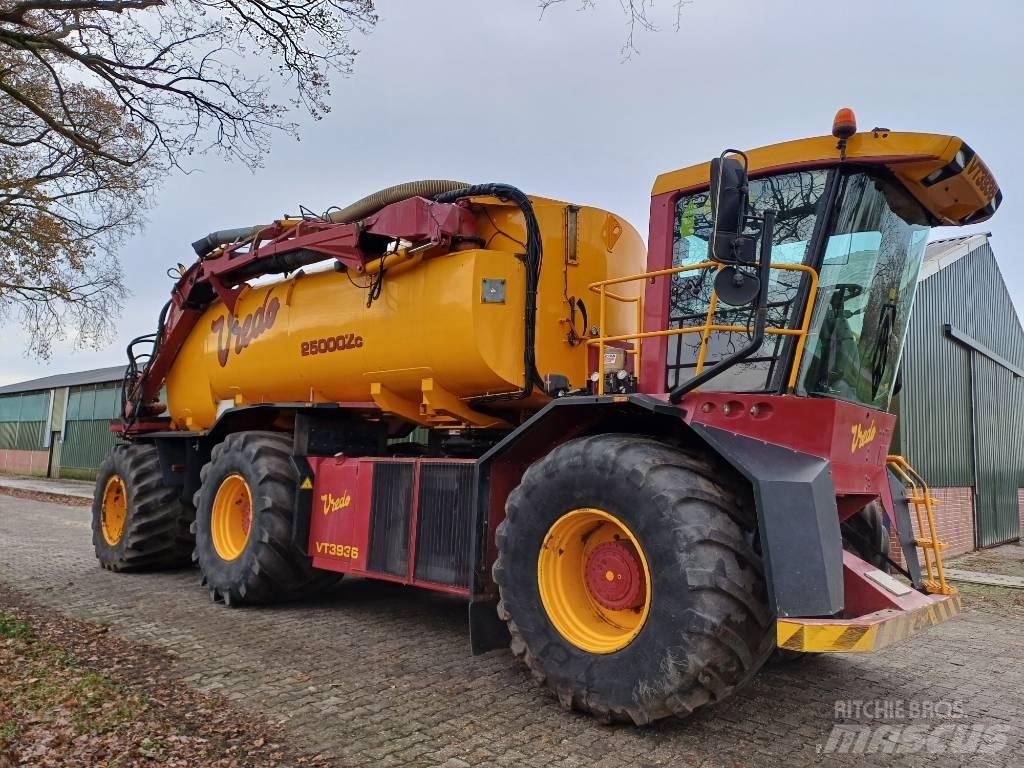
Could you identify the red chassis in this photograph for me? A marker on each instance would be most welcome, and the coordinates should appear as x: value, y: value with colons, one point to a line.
x: 402, y: 497
x: 347, y: 497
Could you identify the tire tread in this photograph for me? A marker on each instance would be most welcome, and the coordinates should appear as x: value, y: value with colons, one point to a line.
x: 707, y: 512
x: 156, y: 533
x: 277, y: 571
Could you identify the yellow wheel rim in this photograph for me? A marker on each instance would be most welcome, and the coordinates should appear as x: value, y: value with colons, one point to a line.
x: 231, y: 518
x: 594, y: 581
x: 114, y: 510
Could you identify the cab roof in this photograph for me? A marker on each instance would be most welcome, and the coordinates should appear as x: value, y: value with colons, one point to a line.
x: 949, y: 179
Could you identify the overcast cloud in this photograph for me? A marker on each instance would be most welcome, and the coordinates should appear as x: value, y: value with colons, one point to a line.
x: 481, y: 90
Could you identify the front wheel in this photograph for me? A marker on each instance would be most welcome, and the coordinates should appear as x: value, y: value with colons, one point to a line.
x: 629, y: 578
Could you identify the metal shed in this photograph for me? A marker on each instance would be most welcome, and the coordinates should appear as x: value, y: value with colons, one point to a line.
x: 962, y: 406
x: 59, y: 425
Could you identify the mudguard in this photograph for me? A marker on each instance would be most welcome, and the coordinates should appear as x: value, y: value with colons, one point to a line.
x: 796, y: 506
x: 797, y: 519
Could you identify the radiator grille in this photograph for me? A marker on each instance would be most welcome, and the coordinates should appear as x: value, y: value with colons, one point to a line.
x: 389, y: 531
x: 444, y: 523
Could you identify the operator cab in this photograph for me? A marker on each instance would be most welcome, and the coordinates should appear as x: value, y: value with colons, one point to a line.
x: 855, y: 208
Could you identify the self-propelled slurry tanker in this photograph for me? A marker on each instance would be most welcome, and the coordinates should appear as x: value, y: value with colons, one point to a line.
x: 645, y: 472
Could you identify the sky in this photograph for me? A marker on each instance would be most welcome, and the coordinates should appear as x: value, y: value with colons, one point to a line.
x: 483, y: 91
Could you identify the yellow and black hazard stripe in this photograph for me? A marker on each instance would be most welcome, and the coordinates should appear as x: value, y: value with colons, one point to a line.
x: 859, y: 636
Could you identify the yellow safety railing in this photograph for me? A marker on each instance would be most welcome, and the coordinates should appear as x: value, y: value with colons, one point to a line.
x: 709, y: 326
x: 934, y: 578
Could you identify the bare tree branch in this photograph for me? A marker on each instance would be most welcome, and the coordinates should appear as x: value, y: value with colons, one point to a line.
x: 100, y: 99
x: 637, y: 14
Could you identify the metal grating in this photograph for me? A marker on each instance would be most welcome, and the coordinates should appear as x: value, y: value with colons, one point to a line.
x: 389, y: 517
x: 445, y: 520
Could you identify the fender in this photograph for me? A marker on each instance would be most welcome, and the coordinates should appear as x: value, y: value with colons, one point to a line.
x: 798, y: 520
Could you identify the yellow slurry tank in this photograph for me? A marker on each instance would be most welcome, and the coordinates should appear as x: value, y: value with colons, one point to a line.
x: 447, y: 325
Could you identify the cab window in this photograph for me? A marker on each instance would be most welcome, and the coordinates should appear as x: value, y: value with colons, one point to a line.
x: 799, y: 199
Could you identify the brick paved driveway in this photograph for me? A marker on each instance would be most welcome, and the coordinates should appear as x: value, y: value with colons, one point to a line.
x: 381, y: 675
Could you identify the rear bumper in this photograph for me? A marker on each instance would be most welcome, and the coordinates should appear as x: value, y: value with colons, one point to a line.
x: 867, y: 633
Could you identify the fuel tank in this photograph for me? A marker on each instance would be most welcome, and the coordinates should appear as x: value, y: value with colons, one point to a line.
x: 434, y: 331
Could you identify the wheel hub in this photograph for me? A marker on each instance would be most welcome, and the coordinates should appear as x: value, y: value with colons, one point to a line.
x: 113, y: 510
x: 594, y: 580
x: 231, y: 517
x: 615, y: 577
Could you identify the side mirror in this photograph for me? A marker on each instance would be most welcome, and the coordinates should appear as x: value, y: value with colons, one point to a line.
x: 729, y: 209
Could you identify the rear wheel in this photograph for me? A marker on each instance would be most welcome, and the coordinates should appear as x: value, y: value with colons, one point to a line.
x: 629, y: 578
x: 138, y: 523
x: 243, y: 525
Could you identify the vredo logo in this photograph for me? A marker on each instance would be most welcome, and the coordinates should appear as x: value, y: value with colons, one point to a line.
x: 862, y: 436
x: 235, y: 336
x: 333, y: 503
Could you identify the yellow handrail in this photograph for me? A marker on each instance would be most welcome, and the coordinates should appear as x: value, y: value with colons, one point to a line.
x: 934, y: 580
x: 709, y: 326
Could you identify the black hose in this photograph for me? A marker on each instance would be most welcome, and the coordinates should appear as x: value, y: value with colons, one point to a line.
x: 206, y: 245
x: 533, y: 258
x: 136, y: 378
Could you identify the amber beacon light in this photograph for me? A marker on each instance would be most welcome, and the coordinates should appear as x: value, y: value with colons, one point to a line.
x: 844, y: 125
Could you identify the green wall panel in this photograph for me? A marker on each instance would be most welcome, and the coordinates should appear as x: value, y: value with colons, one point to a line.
x: 86, y: 443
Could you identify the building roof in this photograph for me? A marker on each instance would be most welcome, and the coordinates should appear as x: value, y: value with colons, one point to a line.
x: 941, y: 253
x: 95, y: 376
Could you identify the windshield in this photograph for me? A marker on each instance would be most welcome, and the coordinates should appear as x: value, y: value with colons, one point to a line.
x: 799, y: 199
x: 865, y: 293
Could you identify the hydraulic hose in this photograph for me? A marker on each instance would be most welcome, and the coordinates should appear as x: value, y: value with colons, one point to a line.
x: 534, y: 256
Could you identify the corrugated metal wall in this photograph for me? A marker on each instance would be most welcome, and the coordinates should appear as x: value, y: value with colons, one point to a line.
x: 23, y: 420
x: 85, y: 444
x: 997, y: 452
x: 87, y: 435
x: 22, y: 435
x: 951, y: 393
x: 935, y: 404
x: 419, y: 435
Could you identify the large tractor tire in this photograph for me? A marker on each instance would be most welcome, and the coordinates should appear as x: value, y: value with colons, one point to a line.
x: 243, y: 523
x: 138, y: 523
x: 629, y: 578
